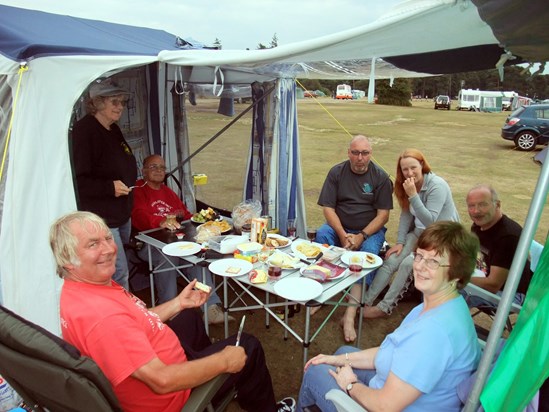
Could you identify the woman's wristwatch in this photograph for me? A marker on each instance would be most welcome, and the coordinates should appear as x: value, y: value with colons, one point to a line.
x: 349, y: 387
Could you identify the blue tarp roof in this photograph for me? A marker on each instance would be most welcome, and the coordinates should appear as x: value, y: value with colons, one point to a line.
x: 25, y: 34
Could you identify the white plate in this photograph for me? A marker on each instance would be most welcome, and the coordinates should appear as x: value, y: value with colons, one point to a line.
x: 204, y: 221
x: 220, y: 267
x: 298, y: 289
x: 275, y: 236
x: 181, y: 248
x: 300, y: 255
x: 346, y: 258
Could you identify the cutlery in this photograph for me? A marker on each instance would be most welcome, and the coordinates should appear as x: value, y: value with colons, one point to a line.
x: 141, y: 185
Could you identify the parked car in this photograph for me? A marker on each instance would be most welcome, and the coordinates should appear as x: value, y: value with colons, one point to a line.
x: 527, y: 126
x: 443, y: 102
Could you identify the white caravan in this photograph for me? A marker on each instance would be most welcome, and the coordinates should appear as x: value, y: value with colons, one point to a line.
x: 486, y: 100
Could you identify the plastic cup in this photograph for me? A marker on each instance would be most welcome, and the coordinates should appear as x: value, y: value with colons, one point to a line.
x: 274, y: 272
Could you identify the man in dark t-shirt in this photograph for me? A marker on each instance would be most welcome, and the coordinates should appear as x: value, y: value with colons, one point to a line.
x: 356, y: 199
x: 499, y: 236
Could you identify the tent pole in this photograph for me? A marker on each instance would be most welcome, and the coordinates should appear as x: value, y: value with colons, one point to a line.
x: 515, y: 272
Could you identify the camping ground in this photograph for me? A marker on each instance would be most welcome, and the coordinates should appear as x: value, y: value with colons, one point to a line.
x: 465, y: 148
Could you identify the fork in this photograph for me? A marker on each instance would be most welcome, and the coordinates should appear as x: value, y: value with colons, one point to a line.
x: 133, y: 187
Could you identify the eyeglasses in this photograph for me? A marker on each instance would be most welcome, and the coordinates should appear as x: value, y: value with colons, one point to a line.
x: 118, y: 102
x: 430, y: 263
x: 156, y: 167
x: 357, y: 153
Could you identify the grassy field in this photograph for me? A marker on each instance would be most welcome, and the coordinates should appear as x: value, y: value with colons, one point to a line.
x: 465, y: 148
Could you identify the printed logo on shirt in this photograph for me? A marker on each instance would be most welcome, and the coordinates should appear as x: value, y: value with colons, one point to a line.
x: 161, y: 208
x: 126, y: 148
x: 366, y: 188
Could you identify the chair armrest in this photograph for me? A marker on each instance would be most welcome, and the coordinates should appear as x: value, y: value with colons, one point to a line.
x: 203, y: 394
x: 343, y: 402
x: 475, y: 290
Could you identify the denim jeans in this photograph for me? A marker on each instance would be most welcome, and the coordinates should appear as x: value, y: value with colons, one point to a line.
x: 317, y: 382
x: 121, y: 236
x: 374, y: 243
x: 474, y: 301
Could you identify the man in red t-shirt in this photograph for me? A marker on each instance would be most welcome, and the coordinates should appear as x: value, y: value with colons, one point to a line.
x: 152, y: 363
x: 153, y: 200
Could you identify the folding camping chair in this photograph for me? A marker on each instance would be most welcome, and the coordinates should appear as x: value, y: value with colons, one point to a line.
x: 51, y: 374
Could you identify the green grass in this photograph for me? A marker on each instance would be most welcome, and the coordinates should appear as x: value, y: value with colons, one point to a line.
x: 465, y: 148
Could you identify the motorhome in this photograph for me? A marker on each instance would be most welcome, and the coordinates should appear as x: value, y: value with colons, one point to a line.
x: 485, y: 100
x: 344, y: 91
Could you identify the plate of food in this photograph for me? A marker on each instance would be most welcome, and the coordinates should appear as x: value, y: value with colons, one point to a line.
x: 323, y: 271
x: 298, y: 289
x: 284, y: 260
x: 277, y: 241
x: 369, y: 260
x: 223, y: 225
x: 304, y: 249
x: 181, y: 249
x: 230, y: 267
x: 206, y: 215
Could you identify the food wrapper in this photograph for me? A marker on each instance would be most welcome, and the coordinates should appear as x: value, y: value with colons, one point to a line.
x: 204, y: 233
x: 258, y: 276
x: 244, y: 212
x: 251, y: 258
x: 322, y: 271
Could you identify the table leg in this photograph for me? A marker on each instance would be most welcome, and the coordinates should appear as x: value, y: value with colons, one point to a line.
x: 151, y: 274
x: 361, y: 311
x: 226, y: 306
x: 205, y: 306
x: 306, y: 334
x: 267, y: 320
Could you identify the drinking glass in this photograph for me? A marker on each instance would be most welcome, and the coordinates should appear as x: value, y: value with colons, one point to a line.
x: 171, y: 220
x: 274, y: 272
x: 355, y: 264
x: 264, y: 254
x: 291, y: 228
x: 311, y: 234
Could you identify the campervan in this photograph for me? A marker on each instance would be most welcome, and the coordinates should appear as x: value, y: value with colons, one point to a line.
x: 486, y: 100
x: 343, y: 91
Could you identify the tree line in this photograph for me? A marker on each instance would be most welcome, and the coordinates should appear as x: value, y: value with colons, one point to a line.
x: 515, y: 79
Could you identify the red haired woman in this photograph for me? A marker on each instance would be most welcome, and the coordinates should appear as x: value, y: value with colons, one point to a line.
x: 424, y: 198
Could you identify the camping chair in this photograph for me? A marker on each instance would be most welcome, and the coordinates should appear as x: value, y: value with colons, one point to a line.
x: 535, y: 253
x: 51, y: 374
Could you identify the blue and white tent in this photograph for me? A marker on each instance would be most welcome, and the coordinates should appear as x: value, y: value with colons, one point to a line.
x: 47, y: 62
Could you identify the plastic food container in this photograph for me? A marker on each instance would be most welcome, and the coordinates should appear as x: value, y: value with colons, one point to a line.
x: 249, y: 249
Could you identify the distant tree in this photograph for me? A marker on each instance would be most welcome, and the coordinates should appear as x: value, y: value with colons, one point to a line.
x: 217, y: 44
x: 397, y: 95
x: 274, y: 41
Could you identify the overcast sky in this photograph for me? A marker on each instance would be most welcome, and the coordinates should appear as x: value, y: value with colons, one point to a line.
x: 238, y: 24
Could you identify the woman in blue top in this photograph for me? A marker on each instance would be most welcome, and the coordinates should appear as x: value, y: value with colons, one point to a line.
x: 420, y: 364
x: 424, y: 198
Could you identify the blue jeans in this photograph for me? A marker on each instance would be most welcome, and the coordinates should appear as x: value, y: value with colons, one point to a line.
x: 317, y: 381
x: 374, y: 243
x: 121, y: 236
x: 474, y: 301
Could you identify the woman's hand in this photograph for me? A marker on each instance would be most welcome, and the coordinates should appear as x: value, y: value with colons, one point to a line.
x: 395, y: 249
x: 120, y: 188
x: 321, y: 358
x: 409, y: 186
x: 190, y: 298
x: 344, y: 375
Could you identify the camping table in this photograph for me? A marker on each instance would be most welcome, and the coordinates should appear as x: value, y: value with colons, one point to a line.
x: 158, y: 238
x: 330, y: 289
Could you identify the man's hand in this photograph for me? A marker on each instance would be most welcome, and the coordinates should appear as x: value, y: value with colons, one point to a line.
x: 354, y: 241
x: 170, y: 226
x: 235, y: 358
x: 395, y: 249
x: 190, y: 298
x: 120, y: 188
